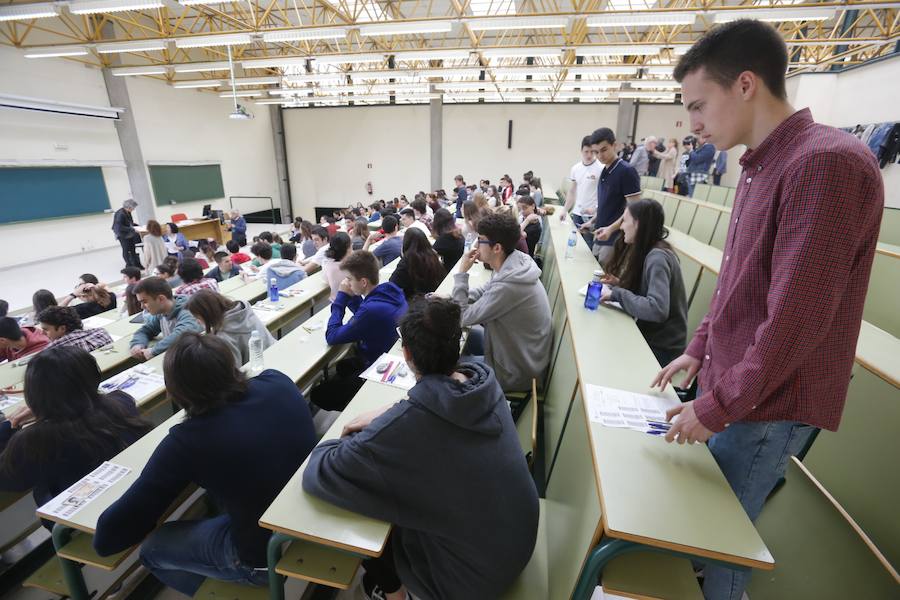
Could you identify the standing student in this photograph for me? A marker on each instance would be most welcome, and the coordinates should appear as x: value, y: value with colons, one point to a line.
x: 640, y: 158
x: 530, y: 222
x: 461, y: 194
x: 166, y: 316
x: 154, y: 246
x: 238, y: 227
x: 619, y: 185
x: 126, y: 234
x: 446, y: 541
x: 237, y: 257
x: 225, y: 269
x: 192, y: 275
x: 320, y: 240
x: 75, y: 427
x: 420, y: 270
x: 720, y: 167
x: 699, y: 163
x: 776, y: 349
x: 389, y: 249
x: 377, y: 308
x: 175, y: 241
x: 512, y: 307
x: 581, y: 199
x: 448, y: 243
x: 62, y: 326
x: 231, y: 321
x: 644, y: 276
x: 219, y: 447
x: 17, y: 342
x: 338, y: 249
x: 667, y: 164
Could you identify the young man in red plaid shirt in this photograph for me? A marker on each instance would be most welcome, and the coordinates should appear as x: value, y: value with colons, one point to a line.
x: 775, y: 350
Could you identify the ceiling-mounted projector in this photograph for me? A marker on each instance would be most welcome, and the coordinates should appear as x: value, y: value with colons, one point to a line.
x: 240, y: 113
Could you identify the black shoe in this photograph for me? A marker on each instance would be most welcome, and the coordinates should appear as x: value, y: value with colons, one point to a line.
x: 372, y: 590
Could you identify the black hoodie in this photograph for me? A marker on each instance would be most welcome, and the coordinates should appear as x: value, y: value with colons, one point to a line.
x: 446, y: 468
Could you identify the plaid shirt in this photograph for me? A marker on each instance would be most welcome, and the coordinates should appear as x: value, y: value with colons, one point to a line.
x: 86, y: 339
x: 780, y: 336
x: 189, y: 289
x: 698, y: 178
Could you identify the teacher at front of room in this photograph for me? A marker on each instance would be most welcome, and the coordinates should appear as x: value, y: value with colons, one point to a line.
x: 123, y: 228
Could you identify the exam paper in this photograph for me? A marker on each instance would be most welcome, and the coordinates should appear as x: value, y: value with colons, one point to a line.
x: 394, y: 372
x: 618, y: 408
x: 96, y: 321
x: 84, y: 491
x: 135, y: 384
x: 7, y: 401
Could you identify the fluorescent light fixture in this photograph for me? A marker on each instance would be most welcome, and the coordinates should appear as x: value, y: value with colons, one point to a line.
x: 524, y: 71
x: 466, y: 72
x: 465, y: 85
x: 617, y: 50
x: 641, y: 18
x: 520, y: 52
x: 568, y: 95
x: 587, y: 84
x: 841, y: 42
x: 258, y: 80
x: 647, y: 95
x: 461, y: 54
x: 383, y: 76
x: 405, y: 28
x: 291, y: 92
x: 315, y: 77
x: 198, y: 83
x: 602, y: 70
x: 800, y: 13
x: 24, y: 12
x: 81, y: 110
x: 52, y: 52
x: 299, y: 35
x: 375, y: 88
x: 339, y: 59
x: 659, y: 70
x: 199, y: 2
x: 148, y: 70
x: 650, y: 84
x: 367, y: 98
x: 679, y: 50
x: 275, y: 62
x: 91, y: 7
x: 136, y: 46
x: 269, y: 102
x: 204, y: 41
x: 248, y: 94
x: 502, y: 23
x: 200, y: 67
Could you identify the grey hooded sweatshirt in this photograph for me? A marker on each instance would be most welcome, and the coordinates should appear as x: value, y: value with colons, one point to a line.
x: 237, y: 325
x: 446, y: 468
x: 515, y: 313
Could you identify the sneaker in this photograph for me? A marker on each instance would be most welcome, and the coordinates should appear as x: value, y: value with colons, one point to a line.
x: 373, y: 591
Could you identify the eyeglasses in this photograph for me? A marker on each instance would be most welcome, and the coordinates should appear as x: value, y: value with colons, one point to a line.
x: 488, y: 242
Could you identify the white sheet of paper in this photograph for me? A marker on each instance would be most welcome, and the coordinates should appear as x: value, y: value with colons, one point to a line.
x: 84, y: 491
x: 96, y: 321
x: 618, y: 408
x: 7, y: 401
x: 396, y: 365
x: 583, y: 292
x: 135, y: 384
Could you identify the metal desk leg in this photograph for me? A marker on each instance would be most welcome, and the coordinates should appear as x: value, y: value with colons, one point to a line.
x: 273, y: 555
x: 72, y: 574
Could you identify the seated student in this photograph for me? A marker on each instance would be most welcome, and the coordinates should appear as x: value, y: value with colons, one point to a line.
x: 192, y: 275
x: 218, y: 447
x: 175, y: 241
x: 189, y: 253
x: 375, y: 212
x: 207, y: 251
x: 96, y: 300
x: 448, y: 243
x: 17, y: 342
x: 63, y: 327
x: 408, y: 220
x: 420, y: 270
x: 231, y: 321
x: 131, y: 305
x: 267, y: 237
x: 304, y: 238
x: 169, y: 271
x: 262, y: 253
x: 389, y: 250
x: 75, y: 427
x: 285, y: 270
x: 373, y: 327
x: 644, y: 276
x: 359, y: 233
x: 167, y: 316
x: 320, y: 241
x: 40, y: 300
x: 237, y: 257
x: 338, y: 249
x: 417, y: 463
x: 331, y: 226
x: 512, y: 306
x: 224, y: 269
x: 530, y: 222
x: 422, y: 213
x: 4, y: 308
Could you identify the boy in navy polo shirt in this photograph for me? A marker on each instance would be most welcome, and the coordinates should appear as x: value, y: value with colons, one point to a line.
x: 619, y: 184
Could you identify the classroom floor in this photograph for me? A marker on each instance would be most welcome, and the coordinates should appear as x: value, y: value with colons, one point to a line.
x: 59, y: 275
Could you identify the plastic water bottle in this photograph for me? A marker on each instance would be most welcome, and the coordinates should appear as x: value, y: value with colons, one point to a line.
x: 592, y: 298
x: 256, y: 353
x: 470, y: 239
x: 573, y: 240
x: 273, y: 291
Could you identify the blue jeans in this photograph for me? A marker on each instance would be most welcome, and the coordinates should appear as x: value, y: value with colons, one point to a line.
x: 578, y: 221
x: 181, y: 554
x: 753, y: 456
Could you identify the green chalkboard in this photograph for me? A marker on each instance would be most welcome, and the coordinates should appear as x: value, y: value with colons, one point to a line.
x: 35, y: 193
x: 173, y: 184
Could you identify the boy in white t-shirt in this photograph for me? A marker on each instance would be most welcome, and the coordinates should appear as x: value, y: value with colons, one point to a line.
x: 581, y: 200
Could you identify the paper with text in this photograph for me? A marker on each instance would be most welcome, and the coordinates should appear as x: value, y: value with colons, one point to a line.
x: 84, y: 491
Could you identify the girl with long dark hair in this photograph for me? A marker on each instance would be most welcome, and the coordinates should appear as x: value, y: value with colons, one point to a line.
x: 448, y: 243
x: 644, y: 276
x: 420, y: 270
